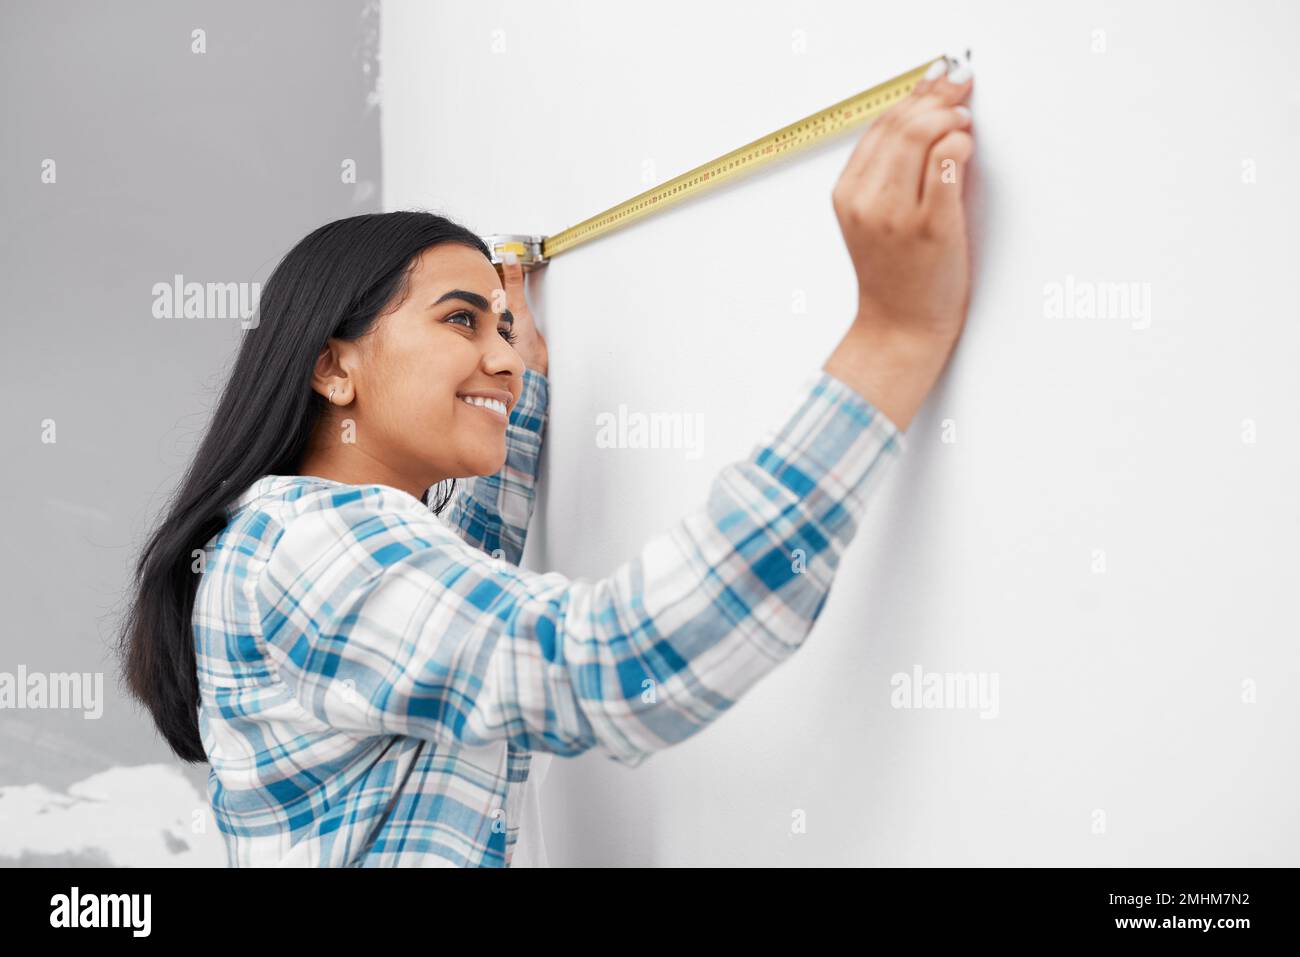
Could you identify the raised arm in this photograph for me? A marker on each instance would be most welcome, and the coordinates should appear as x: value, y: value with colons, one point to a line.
x: 491, y: 512
x: 381, y: 621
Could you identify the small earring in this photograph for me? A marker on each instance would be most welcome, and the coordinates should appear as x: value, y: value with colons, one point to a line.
x: 331, y: 395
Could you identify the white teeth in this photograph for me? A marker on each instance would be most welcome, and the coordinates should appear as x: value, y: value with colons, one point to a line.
x: 494, y: 404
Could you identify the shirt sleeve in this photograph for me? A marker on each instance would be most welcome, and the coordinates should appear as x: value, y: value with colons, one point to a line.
x: 383, y: 622
x: 491, y: 512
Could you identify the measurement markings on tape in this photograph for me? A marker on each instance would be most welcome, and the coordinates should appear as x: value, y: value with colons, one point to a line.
x: 534, y: 251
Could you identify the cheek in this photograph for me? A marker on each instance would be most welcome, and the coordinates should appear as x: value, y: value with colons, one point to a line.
x: 423, y: 395
x: 422, y: 386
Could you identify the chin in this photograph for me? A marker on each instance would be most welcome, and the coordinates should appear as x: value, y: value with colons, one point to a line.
x: 488, y: 462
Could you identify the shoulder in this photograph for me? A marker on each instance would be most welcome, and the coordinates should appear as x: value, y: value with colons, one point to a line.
x: 349, y: 559
x: 304, y: 523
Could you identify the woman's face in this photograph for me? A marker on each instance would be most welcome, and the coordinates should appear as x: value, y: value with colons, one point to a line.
x: 403, y: 384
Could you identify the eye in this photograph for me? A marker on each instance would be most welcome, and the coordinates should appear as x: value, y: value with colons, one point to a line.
x: 507, y: 333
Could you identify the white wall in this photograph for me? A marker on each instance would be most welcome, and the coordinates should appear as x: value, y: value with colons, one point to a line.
x: 1119, y: 691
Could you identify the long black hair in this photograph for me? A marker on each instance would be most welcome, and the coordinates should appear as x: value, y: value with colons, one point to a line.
x: 332, y: 284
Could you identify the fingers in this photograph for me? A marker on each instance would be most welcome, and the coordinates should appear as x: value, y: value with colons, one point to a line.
x: 512, y: 280
x: 891, y: 162
x: 944, y: 73
x: 896, y: 172
x: 866, y: 145
x: 938, y: 69
x: 945, y: 176
x: 935, y: 88
x: 899, y: 173
x: 940, y: 93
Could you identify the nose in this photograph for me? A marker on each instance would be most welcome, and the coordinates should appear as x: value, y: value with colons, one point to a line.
x: 500, y: 357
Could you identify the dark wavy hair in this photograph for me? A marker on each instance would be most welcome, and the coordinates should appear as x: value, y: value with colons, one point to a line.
x: 332, y: 284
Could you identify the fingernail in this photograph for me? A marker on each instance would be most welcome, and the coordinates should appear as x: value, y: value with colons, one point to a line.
x: 937, y: 69
x: 510, y: 256
x: 963, y: 110
x: 960, y: 73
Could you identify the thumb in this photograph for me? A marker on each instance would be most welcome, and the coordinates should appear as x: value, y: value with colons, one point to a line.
x: 511, y: 271
x: 512, y: 278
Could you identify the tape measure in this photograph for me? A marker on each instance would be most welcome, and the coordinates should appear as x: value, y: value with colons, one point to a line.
x: 534, y: 251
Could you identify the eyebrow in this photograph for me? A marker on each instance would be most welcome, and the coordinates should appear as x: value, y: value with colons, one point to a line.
x: 474, y: 299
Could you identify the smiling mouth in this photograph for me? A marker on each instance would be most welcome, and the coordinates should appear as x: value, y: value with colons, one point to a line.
x: 491, y: 406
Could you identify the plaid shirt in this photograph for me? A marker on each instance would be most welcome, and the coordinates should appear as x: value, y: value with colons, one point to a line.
x: 374, y: 679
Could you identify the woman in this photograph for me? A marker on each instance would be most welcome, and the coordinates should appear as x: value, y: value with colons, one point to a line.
x: 368, y: 674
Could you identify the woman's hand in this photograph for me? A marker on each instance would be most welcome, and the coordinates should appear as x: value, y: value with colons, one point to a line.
x: 899, y: 204
x: 528, y: 342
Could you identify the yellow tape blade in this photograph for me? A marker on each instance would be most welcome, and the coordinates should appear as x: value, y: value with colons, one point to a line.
x: 844, y: 115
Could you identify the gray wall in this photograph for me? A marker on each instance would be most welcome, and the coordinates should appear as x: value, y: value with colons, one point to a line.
x: 167, y: 161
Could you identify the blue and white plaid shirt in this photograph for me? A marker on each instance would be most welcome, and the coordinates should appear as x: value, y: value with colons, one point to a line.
x: 373, y: 679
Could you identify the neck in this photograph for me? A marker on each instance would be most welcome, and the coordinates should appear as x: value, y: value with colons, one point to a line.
x: 358, y: 468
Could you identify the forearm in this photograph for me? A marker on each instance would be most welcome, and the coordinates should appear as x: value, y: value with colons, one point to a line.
x: 491, y: 512
x: 893, y: 371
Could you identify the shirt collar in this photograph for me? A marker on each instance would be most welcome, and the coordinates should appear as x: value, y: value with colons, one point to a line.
x: 269, y: 484
x: 263, y: 486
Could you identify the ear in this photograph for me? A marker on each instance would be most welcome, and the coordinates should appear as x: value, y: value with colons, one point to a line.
x: 329, y: 373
